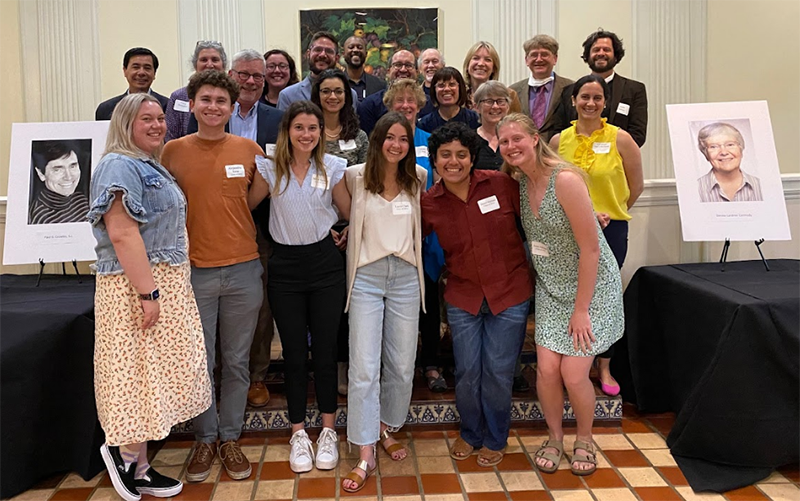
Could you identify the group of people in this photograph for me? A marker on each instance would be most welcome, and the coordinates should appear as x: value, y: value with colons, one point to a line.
x: 336, y: 204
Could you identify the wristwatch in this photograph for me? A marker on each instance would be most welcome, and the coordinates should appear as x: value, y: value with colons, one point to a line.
x: 152, y: 296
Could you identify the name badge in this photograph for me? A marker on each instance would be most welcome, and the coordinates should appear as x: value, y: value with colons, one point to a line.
x: 421, y: 151
x: 347, y: 145
x: 235, y: 170
x: 401, y: 208
x: 269, y: 149
x: 181, y: 105
x: 319, y: 181
x: 488, y: 204
x: 540, y: 249
x: 601, y: 147
x: 623, y: 109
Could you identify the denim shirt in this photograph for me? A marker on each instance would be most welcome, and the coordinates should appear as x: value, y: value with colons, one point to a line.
x: 151, y: 197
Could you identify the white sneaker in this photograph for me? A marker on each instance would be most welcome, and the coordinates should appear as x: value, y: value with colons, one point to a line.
x: 327, y: 449
x: 301, y: 458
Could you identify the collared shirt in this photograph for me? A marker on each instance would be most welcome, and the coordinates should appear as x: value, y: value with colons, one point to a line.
x: 245, y: 126
x: 360, y: 86
x: 482, y: 247
x: 545, y: 94
x: 711, y: 191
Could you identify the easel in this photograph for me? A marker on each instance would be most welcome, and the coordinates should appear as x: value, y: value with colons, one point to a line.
x: 63, y: 270
x: 724, y: 257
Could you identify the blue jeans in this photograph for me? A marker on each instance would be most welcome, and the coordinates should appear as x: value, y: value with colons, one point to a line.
x: 486, y: 347
x: 384, y: 315
x: 232, y: 295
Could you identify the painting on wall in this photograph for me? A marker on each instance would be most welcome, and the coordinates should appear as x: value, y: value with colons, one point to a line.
x: 384, y: 30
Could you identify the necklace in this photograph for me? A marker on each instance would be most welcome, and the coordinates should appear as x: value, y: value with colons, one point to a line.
x: 333, y: 135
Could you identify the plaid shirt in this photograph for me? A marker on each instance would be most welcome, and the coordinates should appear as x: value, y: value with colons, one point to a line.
x: 710, y: 190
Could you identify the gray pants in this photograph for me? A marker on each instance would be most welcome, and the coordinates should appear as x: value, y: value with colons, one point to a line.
x: 232, y: 294
x: 261, y: 349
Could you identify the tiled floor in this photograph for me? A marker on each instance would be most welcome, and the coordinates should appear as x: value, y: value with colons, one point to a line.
x: 634, y: 464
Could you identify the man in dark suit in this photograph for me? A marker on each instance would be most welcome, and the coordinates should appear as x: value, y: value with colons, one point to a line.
x: 540, y: 94
x: 355, y: 53
x: 627, y: 108
x: 139, y: 65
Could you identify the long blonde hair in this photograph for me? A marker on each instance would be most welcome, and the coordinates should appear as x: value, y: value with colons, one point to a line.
x: 120, y: 130
x: 495, y: 63
x: 283, y: 146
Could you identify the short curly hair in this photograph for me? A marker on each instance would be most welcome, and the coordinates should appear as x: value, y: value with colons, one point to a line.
x: 616, y: 44
x: 213, y: 78
x: 453, y: 131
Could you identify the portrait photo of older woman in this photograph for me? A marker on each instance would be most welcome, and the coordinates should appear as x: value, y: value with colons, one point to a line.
x: 723, y: 146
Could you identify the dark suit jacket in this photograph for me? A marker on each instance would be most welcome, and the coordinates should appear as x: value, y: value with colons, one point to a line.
x: 269, y: 120
x: 374, y: 84
x: 106, y: 108
x: 550, y: 127
x: 626, y: 91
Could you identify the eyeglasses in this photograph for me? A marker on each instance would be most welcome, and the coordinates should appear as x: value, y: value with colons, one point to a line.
x: 450, y: 84
x: 502, y: 102
x: 714, y: 147
x: 281, y: 66
x: 400, y: 65
x: 245, y: 76
x: 328, y: 92
x: 320, y: 50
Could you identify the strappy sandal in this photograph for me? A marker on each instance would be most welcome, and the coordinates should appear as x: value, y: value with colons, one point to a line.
x: 488, y: 458
x: 436, y: 384
x: 589, y: 457
x: 392, y: 449
x: 355, y: 477
x: 549, y: 456
x: 460, y: 450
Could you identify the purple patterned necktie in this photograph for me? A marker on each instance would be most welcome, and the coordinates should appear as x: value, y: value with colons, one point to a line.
x: 539, y: 106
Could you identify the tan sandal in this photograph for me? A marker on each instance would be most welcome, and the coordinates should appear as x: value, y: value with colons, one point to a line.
x: 394, y: 448
x: 549, y: 456
x: 355, y: 477
x: 590, y: 457
x: 460, y: 450
x: 488, y: 458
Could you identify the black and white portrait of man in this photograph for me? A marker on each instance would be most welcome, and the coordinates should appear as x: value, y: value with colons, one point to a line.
x: 60, y: 170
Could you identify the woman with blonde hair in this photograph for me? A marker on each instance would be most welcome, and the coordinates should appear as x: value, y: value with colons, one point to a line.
x: 482, y: 64
x: 578, y: 296
x: 145, y: 312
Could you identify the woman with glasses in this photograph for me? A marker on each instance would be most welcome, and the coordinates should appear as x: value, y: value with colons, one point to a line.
x: 208, y: 55
x: 281, y: 73
x: 482, y: 64
x: 492, y: 104
x: 448, y: 95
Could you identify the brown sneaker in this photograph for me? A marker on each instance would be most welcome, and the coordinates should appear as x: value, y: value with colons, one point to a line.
x: 200, y: 465
x: 233, y: 459
x: 257, y: 395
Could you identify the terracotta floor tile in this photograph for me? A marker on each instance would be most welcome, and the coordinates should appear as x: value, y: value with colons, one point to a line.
x: 434, y: 465
x: 50, y: 482
x: 437, y: 447
x: 33, y: 495
x: 81, y: 494
x: 530, y: 496
x: 689, y: 495
x: 562, y: 479
x: 399, y: 485
x: 781, y: 492
x: 673, y: 475
x: 607, y: 442
x: 659, y: 457
x: 648, y: 440
x: 275, y: 489
x: 635, y: 426
x: 792, y: 472
x: 233, y: 491
x: 319, y: 487
x: 521, y: 481
x: 606, y: 430
x: 440, y: 484
x: 422, y: 435
x: 469, y: 465
x: 572, y: 495
x: 642, y: 477
x: 481, y: 482
x: 105, y: 481
x: 604, y: 478
x: 225, y: 478
x: 389, y: 468
x: 531, y: 432
x: 658, y: 494
x: 195, y: 492
x: 626, y: 458
x: 74, y: 481
x: 515, y: 462
x: 749, y: 493
x: 774, y: 478
x: 487, y: 496
x: 616, y: 494
x: 276, y: 470
x: 100, y: 494
x: 245, y: 441
x: 178, y: 444
x: 664, y: 425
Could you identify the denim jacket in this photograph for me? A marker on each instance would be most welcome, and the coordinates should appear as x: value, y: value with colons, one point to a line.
x: 151, y: 197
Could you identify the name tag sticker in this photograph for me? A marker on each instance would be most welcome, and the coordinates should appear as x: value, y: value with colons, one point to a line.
x: 421, y: 151
x: 236, y: 170
x: 601, y: 147
x: 269, y: 149
x: 181, y: 105
x: 540, y: 249
x: 401, y: 208
x: 319, y: 181
x: 488, y: 204
x: 623, y: 109
x: 347, y: 145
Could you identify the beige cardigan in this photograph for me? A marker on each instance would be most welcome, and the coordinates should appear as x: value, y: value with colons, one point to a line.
x: 354, y: 177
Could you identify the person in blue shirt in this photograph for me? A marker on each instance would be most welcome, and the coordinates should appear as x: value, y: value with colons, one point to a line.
x: 449, y: 97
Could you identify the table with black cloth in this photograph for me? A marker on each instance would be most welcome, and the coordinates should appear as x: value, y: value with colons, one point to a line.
x: 48, y: 418
x: 721, y: 349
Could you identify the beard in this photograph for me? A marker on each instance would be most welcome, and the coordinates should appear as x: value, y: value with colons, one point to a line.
x: 609, y: 64
x: 355, y: 61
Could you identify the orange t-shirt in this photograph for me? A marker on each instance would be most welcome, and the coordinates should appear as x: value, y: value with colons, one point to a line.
x: 215, y: 177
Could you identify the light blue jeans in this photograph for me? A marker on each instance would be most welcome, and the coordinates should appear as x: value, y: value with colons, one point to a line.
x: 384, y: 318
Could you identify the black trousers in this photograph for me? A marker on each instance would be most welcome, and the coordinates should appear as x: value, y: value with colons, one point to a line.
x: 429, y: 325
x: 306, y: 291
x: 616, y: 234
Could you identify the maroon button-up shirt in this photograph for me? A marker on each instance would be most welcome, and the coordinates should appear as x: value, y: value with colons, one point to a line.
x: 483, y: 252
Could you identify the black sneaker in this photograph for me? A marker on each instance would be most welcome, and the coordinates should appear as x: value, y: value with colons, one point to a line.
x: 158, y: 485
x: 121, y: 477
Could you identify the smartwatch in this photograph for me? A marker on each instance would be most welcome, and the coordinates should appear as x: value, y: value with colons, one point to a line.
x: 152, y: 296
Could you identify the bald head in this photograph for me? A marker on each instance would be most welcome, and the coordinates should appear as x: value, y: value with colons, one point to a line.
x: 355, y: 52
x: 403, y: 66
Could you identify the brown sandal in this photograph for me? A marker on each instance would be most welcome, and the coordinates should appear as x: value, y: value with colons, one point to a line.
x: 488, y: 458
x: 355, y: 477
x: 460, y: 450
x: 590, y: 457
x: 392, y: 449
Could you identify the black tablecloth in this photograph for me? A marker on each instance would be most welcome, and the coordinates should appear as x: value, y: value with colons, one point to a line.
x: 722, y: 350
x: 48, y: 413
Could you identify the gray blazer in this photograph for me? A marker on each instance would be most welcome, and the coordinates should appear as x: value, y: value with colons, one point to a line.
x: 551, y: 122
x: 354, y: 177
